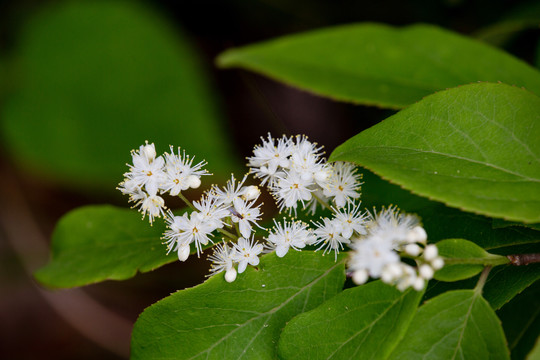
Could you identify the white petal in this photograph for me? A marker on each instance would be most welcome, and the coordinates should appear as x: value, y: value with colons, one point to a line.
x: 242, y: 266
x: 281, y: 250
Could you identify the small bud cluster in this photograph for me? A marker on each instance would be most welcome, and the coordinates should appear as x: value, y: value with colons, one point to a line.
x: 295, y: 173
x: 390, y: 236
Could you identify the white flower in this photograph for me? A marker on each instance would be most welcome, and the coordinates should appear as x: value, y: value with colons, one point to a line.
x: 211, y: 212
x: 147, y: 170
x: 351, y: 220
x: 390, y: 224
x: 290, y: 189
x: 246, y: 252
x: 185, y: 229
x: 180, y: 173
x: 153, y: 205
x: 344, y: 183
x: 372, y: 254
x: 244, y: 214
x: 269, y: 157
x: 231, y: 191
x: 328, y: 235
x: 291, y: 234
x: 222, y: 260
x: 306, y: 161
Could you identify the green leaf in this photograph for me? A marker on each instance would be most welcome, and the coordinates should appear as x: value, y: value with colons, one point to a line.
x: 464, y: 259
x: 243, y: 319
x: 474, y: 147
x: 442, y: 222
x: 365, y: 322
x: 500, y: 223
x: 380, y: 65
x: 535, y: 352
x: 96, y: 80
x: 503, y: 283
x: 521, y: 321
x: 457, y: 324
x: 96, y: 243
x: 522, y: 17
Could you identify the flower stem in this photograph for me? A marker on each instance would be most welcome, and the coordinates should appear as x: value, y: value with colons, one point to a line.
x: 228, y: 234
x: 185, y: 200
x: 323, y: 203
x: 482, y: 280
x: 237, y: 229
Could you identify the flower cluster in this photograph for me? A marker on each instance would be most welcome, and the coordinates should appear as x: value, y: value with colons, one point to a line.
x: 390, y: 236
x: 388, y: 244
x: 150, y: 176
x: 230, y: 207
x: 296, y: 172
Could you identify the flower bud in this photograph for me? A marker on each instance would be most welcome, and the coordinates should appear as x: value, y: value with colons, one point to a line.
x: 412, y: 249
x: 431, y: 252
x: 230, y: 275
x: 437, y: 263
x: 183, y: 252
x: 360, y: 276
x: 149, y: 151
x: 251, y: 192
x: 417, y: 234
x: 320, y: 176
x: 426, y: 271
x: 418, y: 284
x: 193, y: 181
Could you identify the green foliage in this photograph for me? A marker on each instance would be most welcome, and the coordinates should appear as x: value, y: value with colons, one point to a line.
x: 505, y: 282
x: 525, y: 16
x: 457, y: 324
x: 97, y: 79
x: 365, y: 322
x: 455, y: 146
x: 96, y: 243
x: 380, y: 65
x: 218, y: 320
x: 521, y: 321
x: 442, y: 222
x: 502, y: 285
x: 456, y: 254
x: 472, y: 148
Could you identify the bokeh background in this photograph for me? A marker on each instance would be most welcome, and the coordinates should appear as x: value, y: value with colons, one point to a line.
x: 84, y: 82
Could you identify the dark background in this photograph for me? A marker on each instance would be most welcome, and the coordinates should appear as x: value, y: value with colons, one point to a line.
x: 95, y: 322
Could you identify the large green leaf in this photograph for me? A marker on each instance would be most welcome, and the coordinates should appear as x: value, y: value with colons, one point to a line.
x: 442, y: 222
x: 380, y: 65
x: 365, y: 322
x: 455, y: 325
x: 96, y: 243
x: 474, y: 147
x: 97, y: 79
x: 464, y: 259
x: 240, y: 320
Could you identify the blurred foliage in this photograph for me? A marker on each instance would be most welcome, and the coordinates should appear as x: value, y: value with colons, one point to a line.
x: 97, y: 79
